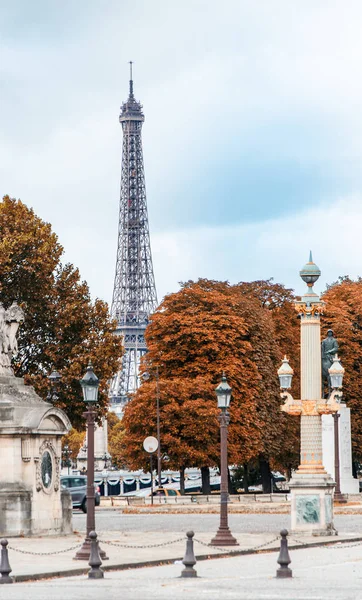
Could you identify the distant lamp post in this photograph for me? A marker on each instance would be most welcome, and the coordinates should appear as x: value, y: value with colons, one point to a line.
x: 150, y: 444
x: 66, y: 452
x: 336, y: 372
x: 54, y: 379
x: 90, y: 385
x: 223, y: 536
x: 107, y: 459
x: 146, y: 377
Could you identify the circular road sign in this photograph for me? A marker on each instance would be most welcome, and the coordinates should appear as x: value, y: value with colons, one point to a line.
x: 150, y: 444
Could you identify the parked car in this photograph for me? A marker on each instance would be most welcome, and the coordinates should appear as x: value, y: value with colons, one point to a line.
x: 77, y: 485
x: 168, y: 492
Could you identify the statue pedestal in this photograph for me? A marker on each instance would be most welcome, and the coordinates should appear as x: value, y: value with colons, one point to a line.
x: 312, y: 504
x: 31, y: 502
x: 349, y: 485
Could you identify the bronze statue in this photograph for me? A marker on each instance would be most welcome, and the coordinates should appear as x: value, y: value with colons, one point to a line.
x: 329, y: 350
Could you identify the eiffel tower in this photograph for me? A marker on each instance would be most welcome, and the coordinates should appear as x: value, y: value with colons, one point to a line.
x: 134, y: 292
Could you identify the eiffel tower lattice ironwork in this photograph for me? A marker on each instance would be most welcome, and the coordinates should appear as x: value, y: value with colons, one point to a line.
x: 134, y: 293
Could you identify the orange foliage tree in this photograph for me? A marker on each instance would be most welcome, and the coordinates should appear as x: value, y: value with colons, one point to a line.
x: 63, y: 328
x: 74, y: 440
x: 343, y: 314
x: 279, y: 302
x: 197, y: 333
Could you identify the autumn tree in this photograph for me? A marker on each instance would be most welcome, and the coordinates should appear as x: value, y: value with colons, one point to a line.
x: 116, y: 440
x: 204, y: 329
x: 279, y: 301
x: 74, y: 440
x: 343, y: 314
x: 63, y: 328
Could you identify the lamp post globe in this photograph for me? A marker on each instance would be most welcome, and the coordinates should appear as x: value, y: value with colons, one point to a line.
x: 223, y: 393
x: 285, y: 374
x: 336, y: 373
x: 90, y: 385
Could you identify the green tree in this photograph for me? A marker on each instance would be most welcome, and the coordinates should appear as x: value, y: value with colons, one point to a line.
x: 63, y: 328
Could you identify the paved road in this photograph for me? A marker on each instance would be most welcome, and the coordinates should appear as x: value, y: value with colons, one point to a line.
x: 318, y: 574
x: 108, y: 520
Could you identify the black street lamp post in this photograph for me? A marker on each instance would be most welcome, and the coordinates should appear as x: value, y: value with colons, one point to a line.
x: 223, y: 536
x: 146, y: 376
x: 90, y: 385
x: 336, y: 373
x: 159, y: 467
x: 150, y: 444
x: 54, y: 379
x: 338, y: 496
x: 66, y: 452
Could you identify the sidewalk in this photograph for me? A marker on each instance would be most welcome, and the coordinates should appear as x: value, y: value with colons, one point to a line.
x: 38, y: 558
x: 248, y: 504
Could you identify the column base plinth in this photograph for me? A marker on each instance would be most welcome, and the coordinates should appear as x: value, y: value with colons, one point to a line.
x: 339, y: 498
x: 224, y: 537
x: 84, y: 552
x: 312, y: 504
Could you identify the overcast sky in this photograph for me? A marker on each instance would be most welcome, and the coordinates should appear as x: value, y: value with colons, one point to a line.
x: 252, y: 138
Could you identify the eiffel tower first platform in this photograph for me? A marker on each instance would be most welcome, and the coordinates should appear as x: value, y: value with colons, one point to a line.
x: 134, y: 292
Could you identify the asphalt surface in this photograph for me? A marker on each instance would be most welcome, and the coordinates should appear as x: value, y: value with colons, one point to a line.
x: 112, y: 520
x: 322, y: 573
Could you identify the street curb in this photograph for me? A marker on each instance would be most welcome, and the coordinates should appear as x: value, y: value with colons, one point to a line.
x: 168, y: 561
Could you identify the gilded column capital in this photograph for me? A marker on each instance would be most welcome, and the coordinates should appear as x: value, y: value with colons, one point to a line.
x: 311, y: 408
x: 309, y: 310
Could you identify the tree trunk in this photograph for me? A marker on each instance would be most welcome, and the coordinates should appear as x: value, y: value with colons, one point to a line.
x: 205, y: 479
x: 246, y: 478
x: 265, y: 475
x: 182, y: 480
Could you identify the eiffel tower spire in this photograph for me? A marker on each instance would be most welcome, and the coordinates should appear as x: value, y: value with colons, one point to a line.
x: 134, y: 292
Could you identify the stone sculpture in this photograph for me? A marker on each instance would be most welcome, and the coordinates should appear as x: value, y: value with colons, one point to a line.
x: 10, y: 320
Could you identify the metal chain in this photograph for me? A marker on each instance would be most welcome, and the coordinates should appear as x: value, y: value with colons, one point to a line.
x: 345, y: 545
x: 145, y: 546
x: 240, y: 550
x: 294, y: 540
x: 44, y: 553
x: 333, y: 546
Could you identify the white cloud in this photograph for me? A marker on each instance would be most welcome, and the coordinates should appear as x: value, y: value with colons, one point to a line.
x: 214, y: 82
x: 276, y: 248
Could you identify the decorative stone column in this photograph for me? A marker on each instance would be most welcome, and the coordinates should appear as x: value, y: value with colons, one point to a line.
x: 311, y: 486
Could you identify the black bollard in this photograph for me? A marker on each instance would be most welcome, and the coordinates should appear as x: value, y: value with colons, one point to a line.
x: 94, y: 559
x: 5, y: 568
x: 189, y: 559
x: 284, y: 558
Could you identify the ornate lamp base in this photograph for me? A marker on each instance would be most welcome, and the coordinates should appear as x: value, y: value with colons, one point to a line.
x: 224, y: 537
x: 339, y: 498
x: 84, y: 552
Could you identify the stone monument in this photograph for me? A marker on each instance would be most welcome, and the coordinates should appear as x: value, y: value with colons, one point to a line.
x: 311, y: 486
x: 31, y: 501
x: 348, y: 484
